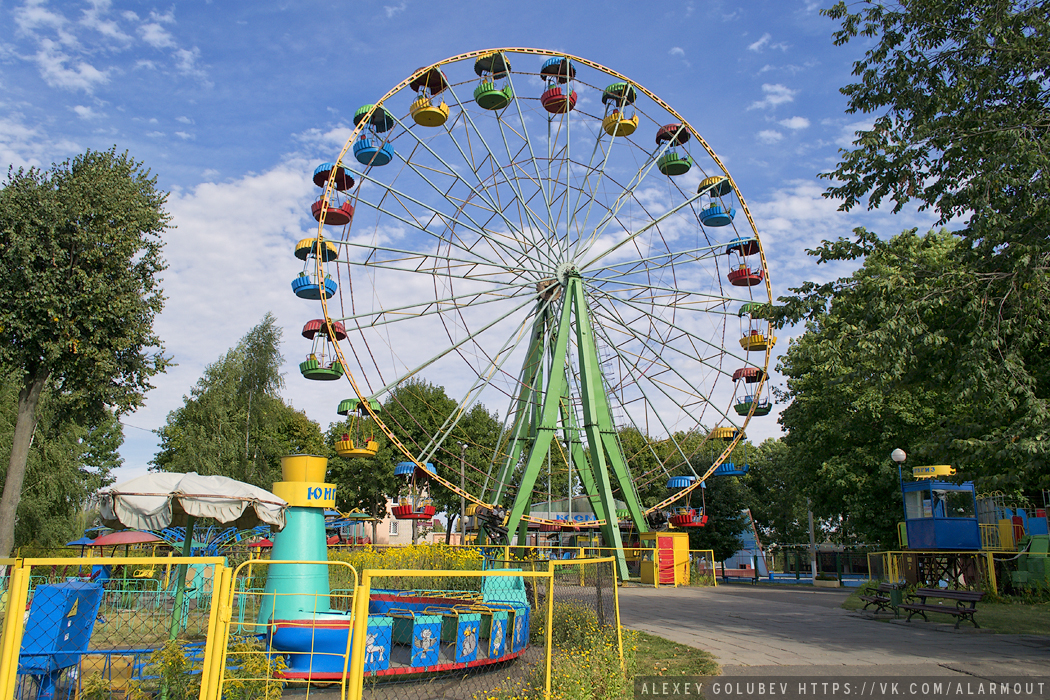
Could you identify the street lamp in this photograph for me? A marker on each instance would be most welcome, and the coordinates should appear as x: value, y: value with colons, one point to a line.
x: 898, y: 456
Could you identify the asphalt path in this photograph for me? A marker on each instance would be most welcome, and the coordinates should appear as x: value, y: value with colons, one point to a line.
x: 756, y: 630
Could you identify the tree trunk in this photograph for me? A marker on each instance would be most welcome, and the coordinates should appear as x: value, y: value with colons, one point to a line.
x: 448, y: 528
x: 25, y: 425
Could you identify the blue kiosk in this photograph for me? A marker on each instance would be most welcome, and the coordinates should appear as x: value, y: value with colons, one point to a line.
x: 940, y: 514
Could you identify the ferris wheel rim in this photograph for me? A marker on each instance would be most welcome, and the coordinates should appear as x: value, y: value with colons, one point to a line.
x: 379, y: 105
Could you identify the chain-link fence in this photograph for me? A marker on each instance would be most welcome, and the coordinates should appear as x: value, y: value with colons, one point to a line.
x: 100, y: 628
x: 453, y: 634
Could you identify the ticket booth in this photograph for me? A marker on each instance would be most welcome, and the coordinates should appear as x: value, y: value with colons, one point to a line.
x: 940, y: 514
x: 665, y: 558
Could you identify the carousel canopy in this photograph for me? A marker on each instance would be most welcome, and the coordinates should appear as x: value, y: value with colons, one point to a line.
x: 155, y: 501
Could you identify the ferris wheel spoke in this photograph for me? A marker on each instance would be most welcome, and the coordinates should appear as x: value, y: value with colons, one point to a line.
x: 515, y: 185
x: 632, y: 236
x: 628, y: 413
x: 622, y: 198
x: 458, y: 268
x: 429, y: 307
x: 688, y: 255
x: 450, y: 240
x: 532, y: 155
x: 648, y: 295
x: 479, y: 188
x: 489, y: 154
x: 579, y: 248
x: 660, y: 386
x: 494, y: 365
x: 648, y: 312
x: 470, y: 337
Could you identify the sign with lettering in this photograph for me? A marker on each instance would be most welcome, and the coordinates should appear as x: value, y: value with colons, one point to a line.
x: 932, y: 470
x: 309, y: 494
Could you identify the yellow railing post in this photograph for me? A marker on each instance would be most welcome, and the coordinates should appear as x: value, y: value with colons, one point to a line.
x: 218, y: 634
x: 550, y: 633
x: 17, y: 594
x: 616, y: 603
x: 356, y: 676
x: 991, y: 572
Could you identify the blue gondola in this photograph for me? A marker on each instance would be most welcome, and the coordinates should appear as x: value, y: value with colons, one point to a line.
x: 368, y: 153
x: 306, y: 287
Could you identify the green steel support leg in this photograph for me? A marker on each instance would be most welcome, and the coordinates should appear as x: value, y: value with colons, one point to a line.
x: 593, y: 393
x: 579, y: 460
x: 548, y: 423
x: 524, y: 431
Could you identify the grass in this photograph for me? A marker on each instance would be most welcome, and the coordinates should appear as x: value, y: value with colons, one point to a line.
x: 1003, y: 616
x: 656, y: 656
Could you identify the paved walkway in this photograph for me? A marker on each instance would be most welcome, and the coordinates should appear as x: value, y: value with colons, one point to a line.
x: 800, y: 630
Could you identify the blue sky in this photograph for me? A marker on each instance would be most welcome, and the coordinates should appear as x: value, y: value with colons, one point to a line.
x: 232, y: 105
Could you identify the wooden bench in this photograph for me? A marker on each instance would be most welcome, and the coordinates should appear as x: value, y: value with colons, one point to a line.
x: 879, y: 599
x: 964, y: 609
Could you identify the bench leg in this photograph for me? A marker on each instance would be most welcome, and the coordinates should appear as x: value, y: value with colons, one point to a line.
x: 920, y: 612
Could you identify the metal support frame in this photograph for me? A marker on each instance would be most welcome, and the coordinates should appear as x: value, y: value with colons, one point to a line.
x: 542, y: 413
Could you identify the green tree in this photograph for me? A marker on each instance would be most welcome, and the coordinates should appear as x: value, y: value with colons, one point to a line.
x: 961, y: 106
x: 67, y: 463
x: 724, y: 499
x: 80, y: 254
x: 234, y: 422
x: 875, y: 370
x: 416, y: 412
x: 777, y: 494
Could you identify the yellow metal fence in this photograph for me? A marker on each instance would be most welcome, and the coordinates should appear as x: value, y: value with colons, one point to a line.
x: 226, y: 625
x: 966, y: 570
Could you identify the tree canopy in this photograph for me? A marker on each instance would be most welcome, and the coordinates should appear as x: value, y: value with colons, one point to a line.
x: 80, y: 255
x: 960, y: 94
x: 937, y: 344
x: 234, y: 422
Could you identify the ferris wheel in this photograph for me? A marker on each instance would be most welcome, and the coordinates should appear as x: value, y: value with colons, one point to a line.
x: 542, y: 235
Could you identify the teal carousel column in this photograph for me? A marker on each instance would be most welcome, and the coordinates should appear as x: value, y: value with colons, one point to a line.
x: 295, y: 590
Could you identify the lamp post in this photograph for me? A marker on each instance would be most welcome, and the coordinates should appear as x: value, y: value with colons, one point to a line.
x: 462, y: 490
x: 898, y: 456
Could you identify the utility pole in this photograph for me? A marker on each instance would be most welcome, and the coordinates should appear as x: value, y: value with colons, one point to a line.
x: 462, y: 489
x: 812, y: 543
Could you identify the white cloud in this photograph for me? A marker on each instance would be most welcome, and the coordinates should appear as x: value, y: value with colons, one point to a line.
x: 794, y: 123
x: 251, y: 250
x: 94, y: 18
x: 184, y: 136
x: 184, y: 120
x: 848, y: 134
x: 34, y: 15
x: 166, y: 18
x: 27, y: 146
x: 86, y: 112
x: 186, y: 63
x: 392, y: 10
x: 156, y: 36
x: 677, y: 51
x: 764, y: 43
x: 775, y: 94
x: 769, y: 136
x: 78, y: 75
x: 758, y: 45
